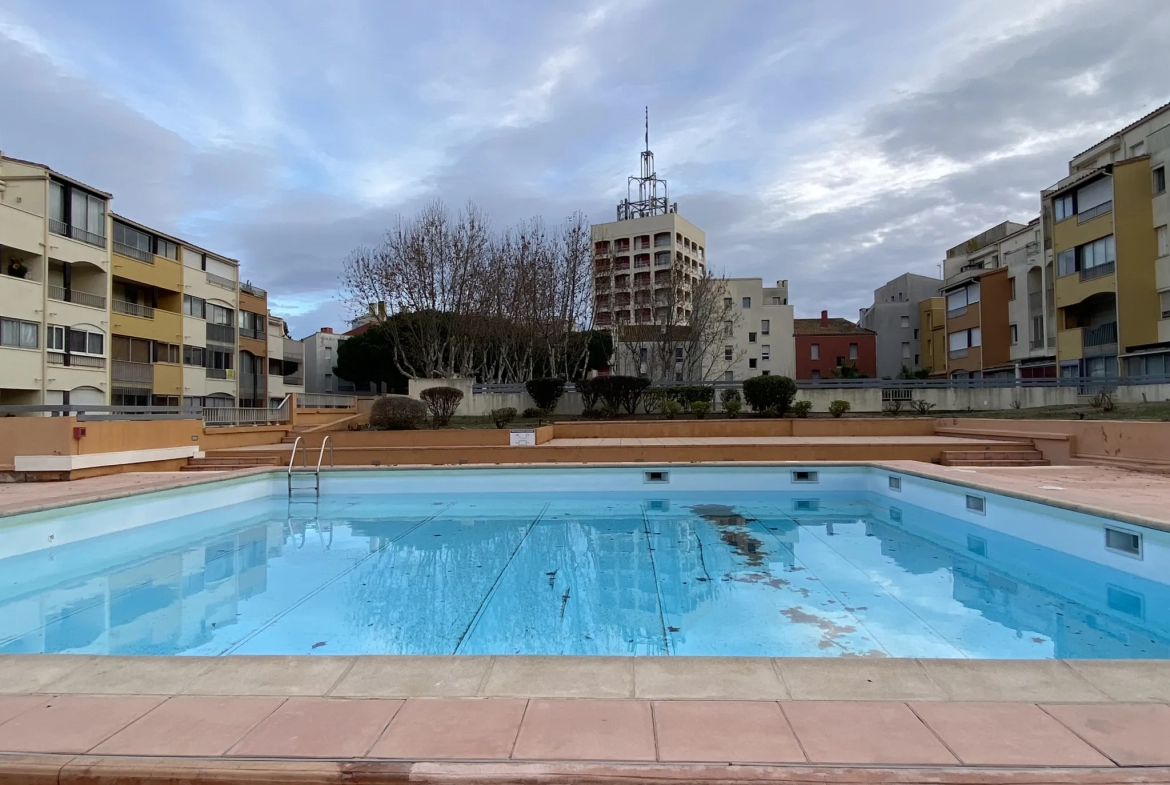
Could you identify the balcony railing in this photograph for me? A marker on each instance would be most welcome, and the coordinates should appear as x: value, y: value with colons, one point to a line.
x: 217, y: 373
x: 956, y: 312
x: 255, y: 291
x: 76, y: 360
x: 1093, y: 212
x: 662, y: 243
x: 1035, y: 301
x: 957, y: 354
x: 132, y: 309
x: 141, y: 374
x: 77, y: 233
x: 248, y: 332
x: 297, y: 380
x: 61, y: 294
x: 219, y: 280
x: 221, y: 333
x: 325, y: 401
x: 1089, y: 273
x: 1036, y: 343
x: 1100, y: 336
x: 133, y: 253
x: 251, y: 383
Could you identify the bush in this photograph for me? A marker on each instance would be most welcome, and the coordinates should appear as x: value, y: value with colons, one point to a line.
x: 545, y: 392
x: 764, y: 393
x: 802, y: 408
x: 671, y: 408
x: 689, y: 393
x: 621, y: 392
x: 534, y: 413
x: 837, y: 408
x: 922, y: 407
x: 894, y: 407
x: 700, y: 409
x: 730, y: 394
x: 609, y: 412
x: 397, y: 413
x: 588, y: 392
x: 732, y: 408
x: 591, y: 414
x: 652, y: 401
x: 502, y: 417
x: 441, y: 404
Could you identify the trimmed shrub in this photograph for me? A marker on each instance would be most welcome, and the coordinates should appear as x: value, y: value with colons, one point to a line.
x: 609, y: 412
x: 591, y: 414
x: 588, y: 392
x: 502, y: 417
x: 534, y: 413
x: 802, y: 408
x: 769, y: 394
x: 441, y: 404
x: 671, y: 408
x: 837, y: 408
x: 652, y: 400
x: 687, y: 394
x: 732, y: 408
x: 730, y: 394
x: 545, y: 392
x: 621, y: 392
x: 397, y: 413
x: 700, y: 409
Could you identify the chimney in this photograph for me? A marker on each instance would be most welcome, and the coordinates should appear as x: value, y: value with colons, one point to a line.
x: 327, y: 330
x: 824, y: 318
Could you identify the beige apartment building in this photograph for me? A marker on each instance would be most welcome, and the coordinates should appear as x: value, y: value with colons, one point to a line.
x: 1105, y: 229
x: 759, y: 333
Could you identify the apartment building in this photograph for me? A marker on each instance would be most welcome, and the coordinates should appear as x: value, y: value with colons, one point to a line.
x: 320, y: 352
x: 286, y: 362
x: 55, y: 284
x: 826, y: 347
x: 759, y: 330
x: 1104, y: 226
x: 895, y: 318
x: 932, y: 335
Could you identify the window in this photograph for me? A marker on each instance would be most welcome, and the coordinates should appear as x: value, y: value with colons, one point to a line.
x: 729, y: 376
x: 779, y: 301
x: 19, y: 334
x: 1011, y: 288
x: 1160, y: 180
x: 964, y: 339
x: 165, y: 352
x: 251, y: 324
x: 219, y: 360
x: 1096, y: 253
x: 852, y: 351
x: 77, y: 214
x: 195, y: 356
x: 1066, y: 262
x: 1138, y: 149
x: 816, y: 351
x: 138, y: 243
x: 1163, y: 241
x: 959, y: 299
x: 765, y: 373
x: 916, y: 359
x: 816, y: 374
x: 1064, y: 207
x: 728, y: 352
x: 906, y: 350
x: 751, y: 337
x: 219, y: 315
x: 55, y: 338
x: 766, y: 352
x: 1015, y: 333
x: 728, y: 328
x: 727, y: 302
x: 747, y: 302
x: 766, y: 324
x: 194, y: 306
x: 915, y: 333
x: 678, y: 354
x: 166, y: 248
x: 84, y: 342
x: 752, y: 363
x: 905, y: 321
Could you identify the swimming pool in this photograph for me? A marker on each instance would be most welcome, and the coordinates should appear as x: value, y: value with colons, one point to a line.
x: 684, y: 560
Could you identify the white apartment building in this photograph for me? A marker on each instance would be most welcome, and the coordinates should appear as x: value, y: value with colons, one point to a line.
x: 320, y: 352
x: 286, y: 362
x: 54, y: 287
x: 759, y: 331
x: 210, y: 343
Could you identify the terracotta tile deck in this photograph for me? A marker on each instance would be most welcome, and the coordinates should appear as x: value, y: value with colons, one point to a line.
x: 857, y: 733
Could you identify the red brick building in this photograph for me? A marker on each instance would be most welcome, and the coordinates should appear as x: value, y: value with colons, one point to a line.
x: 823, y: 345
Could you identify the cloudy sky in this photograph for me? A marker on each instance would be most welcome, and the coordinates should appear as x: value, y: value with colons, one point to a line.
x: 834, y: 143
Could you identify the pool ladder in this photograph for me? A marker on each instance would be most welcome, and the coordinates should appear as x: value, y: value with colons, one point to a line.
x: 305, y: 471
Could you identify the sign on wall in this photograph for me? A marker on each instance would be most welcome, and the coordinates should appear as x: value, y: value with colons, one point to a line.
x: 523, y: 439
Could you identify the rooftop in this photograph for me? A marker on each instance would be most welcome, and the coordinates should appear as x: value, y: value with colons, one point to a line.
x: 1129, y: 127
x: 834, y: 326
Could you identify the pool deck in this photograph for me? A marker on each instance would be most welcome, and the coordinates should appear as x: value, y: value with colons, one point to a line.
x: 75, y: 719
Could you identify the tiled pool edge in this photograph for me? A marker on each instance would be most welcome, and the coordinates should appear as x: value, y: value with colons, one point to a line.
x: 913, y: 468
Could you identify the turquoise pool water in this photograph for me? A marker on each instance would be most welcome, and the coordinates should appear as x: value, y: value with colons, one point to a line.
x: 673, y: 572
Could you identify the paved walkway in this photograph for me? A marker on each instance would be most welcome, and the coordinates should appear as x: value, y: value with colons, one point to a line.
x: 771, y: 441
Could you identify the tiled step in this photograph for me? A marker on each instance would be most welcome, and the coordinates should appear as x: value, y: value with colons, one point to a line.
x: 1013, y: 455
x: 219, y: 464
x: 1003, y: 462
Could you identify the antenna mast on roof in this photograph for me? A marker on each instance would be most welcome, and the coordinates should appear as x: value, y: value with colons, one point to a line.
x: 648, y: 202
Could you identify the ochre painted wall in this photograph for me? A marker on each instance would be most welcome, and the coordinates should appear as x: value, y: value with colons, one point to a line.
x: 1138, y: 308
x: 34, y: 436
x: 994, y: 292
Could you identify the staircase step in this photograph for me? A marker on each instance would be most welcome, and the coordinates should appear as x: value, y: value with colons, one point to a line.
x: 1011, y: 455
x: 962, y: 462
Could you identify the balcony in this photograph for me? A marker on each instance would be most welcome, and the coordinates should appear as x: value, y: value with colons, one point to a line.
x: 220, y: 281
x: 1104, y: 335
x: 1093, y: 212
x: 1035, y: 343
x: 1097, y: 271
x: 1035, y: 301
x: 76, y: 360
x: 61, y: 294
x: 957, y: 354
x: 132, y: 309
x: 218, y: 373
x: 255, y: 291
x: 255, y: 335
x: 221, y: 333
x: 137, y: 374
x: 76, y: 233
x: 133, y: 253
x: 296, y: 380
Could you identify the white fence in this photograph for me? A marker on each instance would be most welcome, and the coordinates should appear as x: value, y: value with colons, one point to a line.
x: 232, y: 415
x: 325, y: 401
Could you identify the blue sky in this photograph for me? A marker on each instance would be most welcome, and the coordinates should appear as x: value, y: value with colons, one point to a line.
x: 836, y: 143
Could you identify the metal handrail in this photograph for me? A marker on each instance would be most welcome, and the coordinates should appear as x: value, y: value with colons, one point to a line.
x: 321, y: 456
x: 293, y: 457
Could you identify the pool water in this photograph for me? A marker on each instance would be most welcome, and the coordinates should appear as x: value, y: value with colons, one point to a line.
x: 745, y: 573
